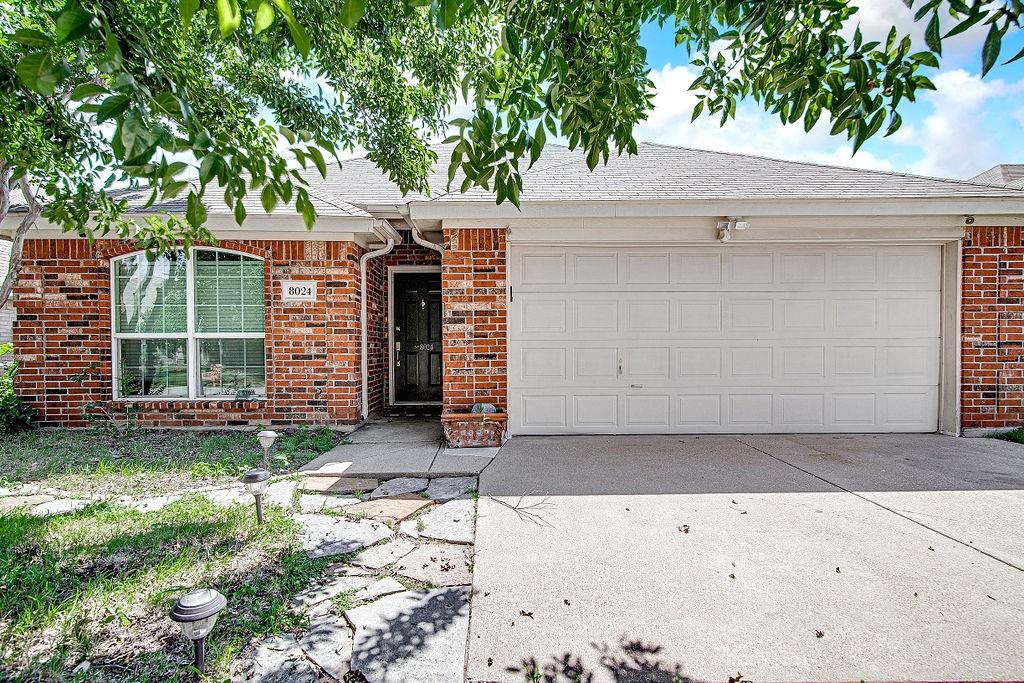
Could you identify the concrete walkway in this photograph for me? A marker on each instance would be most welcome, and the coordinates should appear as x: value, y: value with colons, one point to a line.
x: 388, y: 448
x: 769, y: 558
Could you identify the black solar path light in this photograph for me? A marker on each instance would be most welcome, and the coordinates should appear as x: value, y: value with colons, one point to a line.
x: 196, y: 613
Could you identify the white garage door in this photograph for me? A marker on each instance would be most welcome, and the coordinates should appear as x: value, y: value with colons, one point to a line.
x: 723, y: 339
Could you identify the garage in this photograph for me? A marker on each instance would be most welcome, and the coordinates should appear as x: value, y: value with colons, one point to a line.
x: 732, y: 338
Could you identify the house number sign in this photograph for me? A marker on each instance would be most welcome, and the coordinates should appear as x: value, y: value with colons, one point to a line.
x: 298, y: 290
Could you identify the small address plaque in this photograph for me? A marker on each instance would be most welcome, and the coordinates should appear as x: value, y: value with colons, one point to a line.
x: 298, y: 290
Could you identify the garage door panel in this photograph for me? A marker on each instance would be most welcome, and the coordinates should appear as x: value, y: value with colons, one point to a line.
x: 744, y: 268
x: 740, y: 410
x: 810, y: 362
x: 791, y: 338
x: 726, y: 315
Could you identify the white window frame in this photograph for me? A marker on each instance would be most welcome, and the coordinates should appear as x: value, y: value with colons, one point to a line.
x: 190, y: 336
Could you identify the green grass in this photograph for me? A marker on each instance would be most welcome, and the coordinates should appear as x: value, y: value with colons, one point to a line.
x: 148, y: 461
x: 97, y: 585
x: 1016, y: 436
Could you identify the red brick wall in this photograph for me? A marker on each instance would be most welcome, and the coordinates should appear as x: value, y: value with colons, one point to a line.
x: 992, y: 341
x: 63, y: 326
x: 406, y: 254
x: 473, y: 290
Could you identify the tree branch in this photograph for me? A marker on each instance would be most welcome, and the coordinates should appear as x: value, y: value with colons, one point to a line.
x: 18, y: 240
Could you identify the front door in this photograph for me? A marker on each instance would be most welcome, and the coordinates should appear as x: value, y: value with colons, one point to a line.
x: 417, y: 352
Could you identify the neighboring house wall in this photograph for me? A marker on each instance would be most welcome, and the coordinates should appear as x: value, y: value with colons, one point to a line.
x: 992, y: 341
x: 312, y: 349
x: 473, y: 290
x: 406, y: 254
x: 6, y: 312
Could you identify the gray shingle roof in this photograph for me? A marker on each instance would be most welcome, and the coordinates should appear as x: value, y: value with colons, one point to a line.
x: 663, y: 172
x: 1009, y: 175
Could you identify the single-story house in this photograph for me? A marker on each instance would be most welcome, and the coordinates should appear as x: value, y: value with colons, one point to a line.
x: 675, y: 291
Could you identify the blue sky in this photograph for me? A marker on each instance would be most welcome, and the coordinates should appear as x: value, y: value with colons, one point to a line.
x: 968, y: 125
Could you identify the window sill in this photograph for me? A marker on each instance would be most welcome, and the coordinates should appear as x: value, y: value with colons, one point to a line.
x: 186, y: 399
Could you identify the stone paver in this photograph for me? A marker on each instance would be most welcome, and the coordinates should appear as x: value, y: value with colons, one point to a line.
x: 59, y: 507
x: 396, y: 487
x: 329, y: 588
x: 453, y: 521
x: 379, y: 589
x: 325, y: 535
x: 11, y: 502
x: 152, y: 504
x: 281, y: 493
x: 395, y: 507
x: 410, y: 528
x: 312, y: 502
x: 440, y: 564
x: 328, y: 643
x: 329, y: 484
x: 380, y: 556
x: 280, y: 660
x: 450, y: 488
x: 229, y: 496
x: 412, y: 636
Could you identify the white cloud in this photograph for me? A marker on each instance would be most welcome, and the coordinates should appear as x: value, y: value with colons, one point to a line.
x: 935, y: 144
x: 753, y: 131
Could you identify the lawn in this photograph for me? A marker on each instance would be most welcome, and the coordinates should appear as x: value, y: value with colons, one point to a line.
x: 145, y: 461
x: 97, y: 584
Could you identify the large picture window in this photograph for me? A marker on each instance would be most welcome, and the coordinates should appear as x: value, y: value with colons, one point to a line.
x: 189, y: 328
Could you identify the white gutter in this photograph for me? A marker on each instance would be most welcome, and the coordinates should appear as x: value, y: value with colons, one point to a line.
x: 417, y: 234
x: 391, y: 237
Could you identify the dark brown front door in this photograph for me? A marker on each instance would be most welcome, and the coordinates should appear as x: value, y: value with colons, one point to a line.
x: 417, y: 352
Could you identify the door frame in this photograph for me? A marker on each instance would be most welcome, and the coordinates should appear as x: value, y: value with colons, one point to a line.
x: 391, y: 332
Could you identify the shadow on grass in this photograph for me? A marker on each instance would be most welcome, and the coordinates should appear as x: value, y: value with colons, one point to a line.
x: 97, y: 585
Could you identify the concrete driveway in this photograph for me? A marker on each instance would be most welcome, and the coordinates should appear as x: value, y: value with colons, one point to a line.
x: 761, y: 558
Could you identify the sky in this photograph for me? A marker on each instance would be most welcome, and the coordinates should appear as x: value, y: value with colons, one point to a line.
x: 966, y: 126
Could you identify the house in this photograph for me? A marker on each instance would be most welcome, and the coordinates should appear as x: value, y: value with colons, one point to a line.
x: 675, y: 291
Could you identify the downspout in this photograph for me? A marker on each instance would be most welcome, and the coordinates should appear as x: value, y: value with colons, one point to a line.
x: 390, y: 240
x: 417, y: 235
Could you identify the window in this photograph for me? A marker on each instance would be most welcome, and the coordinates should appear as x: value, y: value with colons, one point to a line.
x: 189, y: 328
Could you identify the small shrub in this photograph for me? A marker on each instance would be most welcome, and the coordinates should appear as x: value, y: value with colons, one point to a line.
x: 15, y: 414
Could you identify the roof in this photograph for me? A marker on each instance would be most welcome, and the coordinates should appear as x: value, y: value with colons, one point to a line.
x: 663, y: 172
x: 1007, y: 175
x: 325, y: 204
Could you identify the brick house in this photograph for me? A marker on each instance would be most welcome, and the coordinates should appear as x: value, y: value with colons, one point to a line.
x: 676, y: 291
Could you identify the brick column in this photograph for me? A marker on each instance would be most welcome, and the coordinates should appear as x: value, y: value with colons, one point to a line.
x: 473, y: 294
x: 992, y: 328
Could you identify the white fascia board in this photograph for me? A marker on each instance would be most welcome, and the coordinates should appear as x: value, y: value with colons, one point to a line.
x: 451, y: 212
x: 327, y: 228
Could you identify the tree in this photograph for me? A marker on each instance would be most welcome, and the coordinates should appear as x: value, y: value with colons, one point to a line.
x: 155, y: 92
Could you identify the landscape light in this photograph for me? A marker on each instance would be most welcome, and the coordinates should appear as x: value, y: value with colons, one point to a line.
x: 256, y: 482
x: 196, y: 613
x: 267, y: 438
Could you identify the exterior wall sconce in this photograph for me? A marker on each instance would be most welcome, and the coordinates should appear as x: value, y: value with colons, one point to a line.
x: 256, y: 482
x: 196, y: 613
x: 725, y: 227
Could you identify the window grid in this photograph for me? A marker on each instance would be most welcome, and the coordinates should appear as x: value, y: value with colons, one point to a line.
x: 245, y: 277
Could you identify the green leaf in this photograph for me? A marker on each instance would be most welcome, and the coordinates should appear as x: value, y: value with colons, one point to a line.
x: 1015, y: 57
x: 73, y: 22
x: 195, y: 214
x: 351, y: 12
x: 264, y: 19
x: 174, y: 189
x: 187, y: 10
x: 39, y: 72
x: 318, y: 159
x: 299, y: 36
x: 932, y: 35
x: 448, y: 13
x: 239, y: 212
x: 112, y: 107
x: 87, y: 90
x: 229, y: 16
x: 268, y: 198
x: 32, y: 38
x: 990, y: 50
x: 208, y: 167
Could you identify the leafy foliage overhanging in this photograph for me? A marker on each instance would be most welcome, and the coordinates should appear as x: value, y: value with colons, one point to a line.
x: 155, y: 92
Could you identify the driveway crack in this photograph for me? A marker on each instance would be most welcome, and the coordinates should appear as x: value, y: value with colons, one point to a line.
x: 884, y: 507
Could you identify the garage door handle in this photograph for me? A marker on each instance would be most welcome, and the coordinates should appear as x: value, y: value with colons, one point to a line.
x: 620, y: 365
x: 636, y: 386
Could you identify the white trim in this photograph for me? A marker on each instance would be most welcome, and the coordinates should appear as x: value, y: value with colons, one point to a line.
x: 391, y: 333
x: 950, y: 339
x: 190, y: 336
